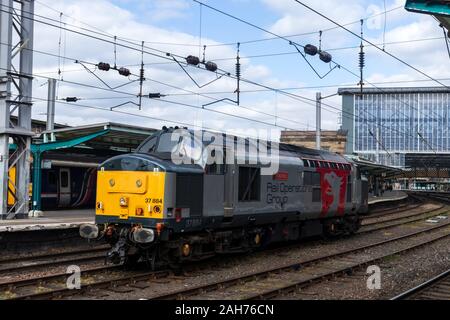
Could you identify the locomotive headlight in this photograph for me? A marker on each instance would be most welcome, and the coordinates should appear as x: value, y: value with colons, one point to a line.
x: 143, y: 235
x: 123, y: 201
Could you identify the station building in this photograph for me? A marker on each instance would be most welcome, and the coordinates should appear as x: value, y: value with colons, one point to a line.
x: 400, y: 127
x: 333, y: 141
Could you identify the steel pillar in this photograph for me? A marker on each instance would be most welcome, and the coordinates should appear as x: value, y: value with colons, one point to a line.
x: 5, y: 93
x: 37, y: 180
x: 51, y: 104
x: 377, y: 151
x: 16, y: 96
x: 25, y: 97
x: 318, y: 119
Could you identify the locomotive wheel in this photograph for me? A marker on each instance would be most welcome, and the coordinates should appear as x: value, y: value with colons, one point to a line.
x: 153, y: 259
x: 132, y: 260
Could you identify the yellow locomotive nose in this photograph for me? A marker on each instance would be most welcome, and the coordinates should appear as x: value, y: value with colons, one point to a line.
x: 136, y: 194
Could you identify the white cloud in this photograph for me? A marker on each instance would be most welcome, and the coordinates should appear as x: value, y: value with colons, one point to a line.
x: 297, y: 19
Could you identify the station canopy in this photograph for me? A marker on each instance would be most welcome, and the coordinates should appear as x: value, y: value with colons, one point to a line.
x: 102, y: 136
x: 440, y: 9
x: 370, y: 168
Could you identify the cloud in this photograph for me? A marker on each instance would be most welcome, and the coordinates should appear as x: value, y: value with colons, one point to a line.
x: 297, y: 19
x: 428, y: 56
x: 159, y: 10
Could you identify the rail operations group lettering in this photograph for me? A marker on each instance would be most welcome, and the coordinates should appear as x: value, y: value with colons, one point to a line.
x: 279, y: 192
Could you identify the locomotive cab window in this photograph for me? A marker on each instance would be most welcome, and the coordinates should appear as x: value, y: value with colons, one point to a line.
x: 249, y: 183
x: 149, y: 145
x: 129, y: 163
x: 166, y: 143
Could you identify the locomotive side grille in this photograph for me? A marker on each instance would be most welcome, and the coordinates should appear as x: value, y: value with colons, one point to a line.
x: 189, y: 192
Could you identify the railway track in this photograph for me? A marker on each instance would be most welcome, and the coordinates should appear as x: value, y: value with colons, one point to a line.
x: 112, y: 278
x: 53, y: 285
x: 370, y: 226
x: 437, y: 288
x: 401, y: 208
x: 291, y: 277
x: 20, y: 264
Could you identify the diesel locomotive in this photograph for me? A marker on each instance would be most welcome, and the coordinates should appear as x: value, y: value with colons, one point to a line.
x: 152, y: 208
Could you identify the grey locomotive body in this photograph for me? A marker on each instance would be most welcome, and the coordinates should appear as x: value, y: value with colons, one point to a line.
x: 228, y: 207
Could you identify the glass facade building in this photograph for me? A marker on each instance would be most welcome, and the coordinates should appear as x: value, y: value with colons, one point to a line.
x: 386, y: 124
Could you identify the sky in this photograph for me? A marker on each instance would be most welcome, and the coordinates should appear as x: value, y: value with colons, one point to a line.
x: 184, y: 27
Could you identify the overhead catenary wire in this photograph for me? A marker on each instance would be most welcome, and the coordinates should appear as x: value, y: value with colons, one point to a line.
x: 162, y: 119
x: 152, y: 117
x: 297, y: 97
x: 218, y: 44
x: 304, y: 33
x: 369, y: 42
x: 291, y: 42
x: 210, y: 7
x: 193, y: 125
x: 179, y: 103
x: 161, y: 57
x: 262, y: 29
x: 223, y: 113
x: 122, y: 92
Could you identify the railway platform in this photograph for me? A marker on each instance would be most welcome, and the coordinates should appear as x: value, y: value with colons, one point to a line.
x: 388, y: 196
x: 53, y: 220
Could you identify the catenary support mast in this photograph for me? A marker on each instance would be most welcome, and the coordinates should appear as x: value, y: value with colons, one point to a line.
x: 16, y: 68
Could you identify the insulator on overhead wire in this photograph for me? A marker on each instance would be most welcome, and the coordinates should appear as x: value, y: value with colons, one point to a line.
x: 193, y: 60
x: 238, y: 70
x: 124, y: 72
x: 103, y: 66
x: 310, y: 49
x: 325, y: 56
x: 71, y: 99
x: 362, y: 59
x: 211, y: 66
